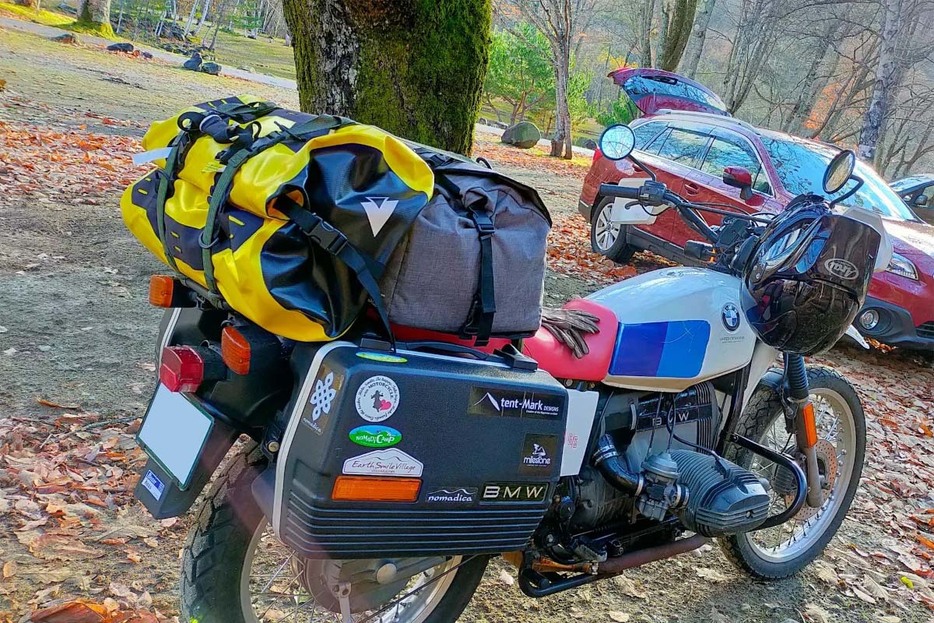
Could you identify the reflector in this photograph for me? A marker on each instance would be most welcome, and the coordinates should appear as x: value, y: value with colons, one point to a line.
x: 376, y: 489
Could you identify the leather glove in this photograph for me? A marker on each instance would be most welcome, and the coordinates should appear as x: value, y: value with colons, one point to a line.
x: 569, y: 326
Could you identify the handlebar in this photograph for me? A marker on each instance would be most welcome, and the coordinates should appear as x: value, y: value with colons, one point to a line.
x: 653, y: 193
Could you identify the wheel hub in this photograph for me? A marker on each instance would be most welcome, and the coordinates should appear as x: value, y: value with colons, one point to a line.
x: 373, y: 583
x: 827, y: 466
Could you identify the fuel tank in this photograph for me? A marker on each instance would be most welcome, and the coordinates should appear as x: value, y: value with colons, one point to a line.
x: 678, y: 327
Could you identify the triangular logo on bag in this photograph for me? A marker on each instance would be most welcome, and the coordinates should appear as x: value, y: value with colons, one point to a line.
x: 378, y: 210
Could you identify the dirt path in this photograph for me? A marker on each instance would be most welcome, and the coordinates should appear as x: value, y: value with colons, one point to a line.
x: 76, y: 328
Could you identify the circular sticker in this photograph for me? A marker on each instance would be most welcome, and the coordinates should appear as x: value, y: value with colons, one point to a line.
x: 377, y: 398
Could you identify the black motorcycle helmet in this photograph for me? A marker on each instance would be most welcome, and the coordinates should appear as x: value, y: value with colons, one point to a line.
x: 808, y: 276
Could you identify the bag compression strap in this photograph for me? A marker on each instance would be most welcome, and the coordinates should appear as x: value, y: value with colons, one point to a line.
x: 479, y: 323
x: 318, y: 126
x: 334, y: 242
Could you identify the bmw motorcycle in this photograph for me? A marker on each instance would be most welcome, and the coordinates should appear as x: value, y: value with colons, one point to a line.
x: 374, y: 481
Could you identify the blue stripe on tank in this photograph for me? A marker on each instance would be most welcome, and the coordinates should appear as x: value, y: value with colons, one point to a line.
x: 673, y: 349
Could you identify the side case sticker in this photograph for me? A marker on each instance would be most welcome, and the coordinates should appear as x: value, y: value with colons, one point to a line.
x: 388, y: 462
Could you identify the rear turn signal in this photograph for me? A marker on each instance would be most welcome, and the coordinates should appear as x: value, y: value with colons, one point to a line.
x: 161, y: 288
x: 182, y: 369
x: 375, y: 489
x: 235, y: 350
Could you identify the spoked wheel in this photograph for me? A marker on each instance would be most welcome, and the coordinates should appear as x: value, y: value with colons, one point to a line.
x: 235, y: 570
x: 785, y: 549
x: 609, y: 238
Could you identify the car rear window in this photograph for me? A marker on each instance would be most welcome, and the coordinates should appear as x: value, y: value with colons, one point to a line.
x: 800, y: 167
x: 640, y: 86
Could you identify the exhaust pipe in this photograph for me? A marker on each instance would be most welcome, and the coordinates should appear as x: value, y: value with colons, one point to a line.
x: 613, y: 468
x: 614, y: 566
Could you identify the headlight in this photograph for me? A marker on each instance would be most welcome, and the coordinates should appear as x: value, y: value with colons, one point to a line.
x: 901, y: 265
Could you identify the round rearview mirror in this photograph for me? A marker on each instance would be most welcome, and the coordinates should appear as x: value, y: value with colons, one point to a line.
x: 617, y: 142
x: 839, y: 171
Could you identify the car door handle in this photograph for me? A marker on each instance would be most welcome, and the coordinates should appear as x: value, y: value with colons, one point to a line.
x: 691, y: 189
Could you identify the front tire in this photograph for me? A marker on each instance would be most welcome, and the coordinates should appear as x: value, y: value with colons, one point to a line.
x: 231, y: 534
x: 608, y: 238
x: 784, y: 550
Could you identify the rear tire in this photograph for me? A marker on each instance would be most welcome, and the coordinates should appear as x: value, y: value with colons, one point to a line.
x: 832, y: 396
x: 221, y: 546
x: 609, y: 239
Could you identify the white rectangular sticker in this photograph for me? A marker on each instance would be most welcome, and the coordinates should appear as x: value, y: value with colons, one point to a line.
x: 174, y: 433
x: 582, y: 410
x: 152, y: 484
x: 387, y: 462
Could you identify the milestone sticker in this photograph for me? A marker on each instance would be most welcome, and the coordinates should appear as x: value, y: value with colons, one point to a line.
x: 389, y: 462
x: 538, y: 453
x: 377, y: 398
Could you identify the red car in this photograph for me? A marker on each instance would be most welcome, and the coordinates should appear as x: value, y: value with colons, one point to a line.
x: 688, y: 139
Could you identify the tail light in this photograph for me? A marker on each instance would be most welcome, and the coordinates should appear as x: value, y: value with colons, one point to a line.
x: 235, y: 350
x: 182, y: 369
x: 597, y: 154
x: 376, y: 489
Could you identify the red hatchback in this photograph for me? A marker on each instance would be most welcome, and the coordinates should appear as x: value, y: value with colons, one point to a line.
x: 688, y: 139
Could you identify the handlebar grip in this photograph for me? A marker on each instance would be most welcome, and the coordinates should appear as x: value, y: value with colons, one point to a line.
x: 623, y: 192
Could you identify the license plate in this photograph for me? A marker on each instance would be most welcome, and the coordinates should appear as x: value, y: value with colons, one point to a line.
x: 174, y: 433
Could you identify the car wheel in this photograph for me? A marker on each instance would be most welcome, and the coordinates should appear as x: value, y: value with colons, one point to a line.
x: 608, y: 238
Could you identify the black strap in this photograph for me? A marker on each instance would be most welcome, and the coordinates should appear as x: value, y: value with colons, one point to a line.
x: 480, y: 320
x: 334, y: 242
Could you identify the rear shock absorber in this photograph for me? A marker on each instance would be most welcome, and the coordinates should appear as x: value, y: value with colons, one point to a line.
x: 798, y: 393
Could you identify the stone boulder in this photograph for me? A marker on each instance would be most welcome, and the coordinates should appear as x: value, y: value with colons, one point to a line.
x: 121, y: 47
x: 194, y: 63
x: 211, y: 68
x: 523, y: 135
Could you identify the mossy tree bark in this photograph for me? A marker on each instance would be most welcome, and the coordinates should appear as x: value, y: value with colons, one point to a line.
x: 413, y: 67
x: 94, y: 15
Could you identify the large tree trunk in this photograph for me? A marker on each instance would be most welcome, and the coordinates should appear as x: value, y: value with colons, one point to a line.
x: 886, y: 81
x: 698, y: 37
x: 561, y: 141
x: 677, y: 26
x: 413, y: 67
x: 95, y: 15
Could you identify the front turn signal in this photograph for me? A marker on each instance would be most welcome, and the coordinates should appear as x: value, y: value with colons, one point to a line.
x: 376, y: 489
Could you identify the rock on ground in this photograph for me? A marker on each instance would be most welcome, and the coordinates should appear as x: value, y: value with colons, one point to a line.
x: 121, y: 47
x: 523, y: 135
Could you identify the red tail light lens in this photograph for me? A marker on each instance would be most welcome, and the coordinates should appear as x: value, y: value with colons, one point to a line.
x: 182, y: 369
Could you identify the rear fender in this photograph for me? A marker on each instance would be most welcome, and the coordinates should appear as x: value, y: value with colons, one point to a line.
x: 159, y: 492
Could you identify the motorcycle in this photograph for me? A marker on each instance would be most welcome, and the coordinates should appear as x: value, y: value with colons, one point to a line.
x: 374, y: 480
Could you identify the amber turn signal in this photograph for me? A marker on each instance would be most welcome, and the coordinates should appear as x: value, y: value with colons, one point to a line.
x: 161, y: 289
x: 810, y: 425
x: 235, y: 350
x: 376, y: 489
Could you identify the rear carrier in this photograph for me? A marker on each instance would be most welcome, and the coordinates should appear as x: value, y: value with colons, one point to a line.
x: 412, y: 453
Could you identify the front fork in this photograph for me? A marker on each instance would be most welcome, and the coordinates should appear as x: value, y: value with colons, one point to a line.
x: 799, y: 417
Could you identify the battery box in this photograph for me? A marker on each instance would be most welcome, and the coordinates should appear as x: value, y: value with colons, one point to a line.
x: 479, y: 440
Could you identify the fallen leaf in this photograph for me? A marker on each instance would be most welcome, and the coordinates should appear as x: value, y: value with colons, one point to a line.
x: 72, y: 612
x: 815, y: 613
x: 9, y: 569
x: 55, y: 405
x: 619, y: 617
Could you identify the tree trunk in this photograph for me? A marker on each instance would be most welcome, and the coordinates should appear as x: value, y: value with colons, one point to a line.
x: 885, y: 84
x: 95, y: 15
x: 648, y: 18
x: 413, y: 67
x: 561, y: 141
x: 810, y: 88
x: 698, y: 37
x: 680, y: 17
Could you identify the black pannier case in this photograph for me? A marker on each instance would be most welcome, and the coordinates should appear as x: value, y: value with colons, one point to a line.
x: 484, y: 437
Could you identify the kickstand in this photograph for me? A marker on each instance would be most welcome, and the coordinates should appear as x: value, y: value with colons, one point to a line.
x: 343, y: 596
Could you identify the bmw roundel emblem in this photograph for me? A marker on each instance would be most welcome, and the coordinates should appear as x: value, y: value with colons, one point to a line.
x: 730, y: 317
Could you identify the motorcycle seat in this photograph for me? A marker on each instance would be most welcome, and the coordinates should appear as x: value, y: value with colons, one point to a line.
x: 558, y: 360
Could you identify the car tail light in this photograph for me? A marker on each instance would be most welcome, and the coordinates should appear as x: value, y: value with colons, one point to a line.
x: 235, y: 350
x: 597, y: 154
x: 182, y: 369
x: 376, y: 489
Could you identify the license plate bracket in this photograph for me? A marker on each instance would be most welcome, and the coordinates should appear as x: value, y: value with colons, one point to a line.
x: 174, y: 434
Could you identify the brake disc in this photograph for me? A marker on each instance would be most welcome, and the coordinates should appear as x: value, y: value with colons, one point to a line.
x: 373, y: 582
x: 827, y: 466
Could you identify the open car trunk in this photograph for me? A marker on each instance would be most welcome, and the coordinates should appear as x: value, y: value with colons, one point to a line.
x: 652, y: 90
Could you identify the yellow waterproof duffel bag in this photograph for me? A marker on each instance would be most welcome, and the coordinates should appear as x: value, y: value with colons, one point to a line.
x: 289, y: 218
